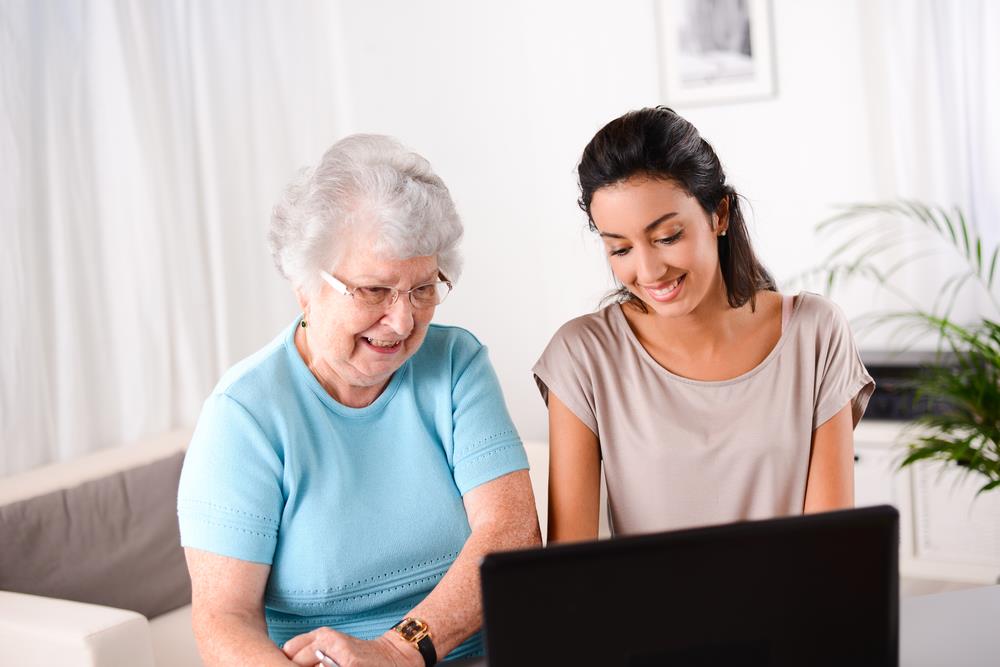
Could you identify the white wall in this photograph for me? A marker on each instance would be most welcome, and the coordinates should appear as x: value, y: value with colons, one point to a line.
x: 502, y: 98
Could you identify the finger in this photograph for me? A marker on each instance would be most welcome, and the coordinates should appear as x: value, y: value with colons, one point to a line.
x: 325, y: 660
x: 330, y: 642
x: 307, y: 658
x: 298, y: 642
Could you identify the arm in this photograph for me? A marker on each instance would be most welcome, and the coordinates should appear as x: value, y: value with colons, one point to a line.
x: 502, y: 516
x: 574, y: 476
x: 830, y: 484
x: 227, y: 597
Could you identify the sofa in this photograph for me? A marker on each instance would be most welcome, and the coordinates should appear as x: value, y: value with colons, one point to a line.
x: 91, y: 569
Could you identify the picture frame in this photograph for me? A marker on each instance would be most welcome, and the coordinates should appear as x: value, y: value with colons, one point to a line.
x: 715, y: 51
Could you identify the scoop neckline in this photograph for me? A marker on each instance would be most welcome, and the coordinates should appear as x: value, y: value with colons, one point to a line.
x: 302, y: 370
x: 766, y: 361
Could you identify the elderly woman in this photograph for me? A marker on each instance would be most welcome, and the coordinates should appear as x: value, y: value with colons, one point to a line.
x: 344, y: 481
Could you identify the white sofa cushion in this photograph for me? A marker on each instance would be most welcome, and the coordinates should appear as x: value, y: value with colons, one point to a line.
x: 173, y: 639
x: 40, y: 632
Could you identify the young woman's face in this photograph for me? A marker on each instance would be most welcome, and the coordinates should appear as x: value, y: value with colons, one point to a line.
x: 661, y: 244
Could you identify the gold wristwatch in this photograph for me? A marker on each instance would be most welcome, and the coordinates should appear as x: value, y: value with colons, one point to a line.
x: 418, y: 634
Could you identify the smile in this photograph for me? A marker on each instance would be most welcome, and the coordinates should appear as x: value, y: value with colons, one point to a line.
x: 383, y: 346
x: 666, y: 292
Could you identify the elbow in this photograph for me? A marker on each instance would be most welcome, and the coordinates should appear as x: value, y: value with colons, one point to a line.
x: 532, y: 531
x: 509, y: 532
x: 527, y: 535
x: 520, y: 530
x: 217, y: 630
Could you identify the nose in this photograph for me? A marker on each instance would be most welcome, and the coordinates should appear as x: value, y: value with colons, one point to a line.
x: 399, y: 317
x: 650, y: 267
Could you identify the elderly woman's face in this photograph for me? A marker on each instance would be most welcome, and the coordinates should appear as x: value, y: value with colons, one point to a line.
x: 364, y: 346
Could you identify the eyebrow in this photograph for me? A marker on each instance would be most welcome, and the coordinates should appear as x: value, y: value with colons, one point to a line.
x: 382, y: 281
x: 655, y: 223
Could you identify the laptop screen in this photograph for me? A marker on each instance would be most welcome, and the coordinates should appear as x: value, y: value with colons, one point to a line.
x: 819, y: 589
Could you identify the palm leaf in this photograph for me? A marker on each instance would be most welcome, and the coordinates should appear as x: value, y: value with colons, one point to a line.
x: 963, y: 431
x: 932, y: 221
x: 993, y: 268
x: 989, y: 487
x: 965, y: 234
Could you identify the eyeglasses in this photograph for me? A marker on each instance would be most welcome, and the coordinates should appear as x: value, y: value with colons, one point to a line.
x: 379, y: 296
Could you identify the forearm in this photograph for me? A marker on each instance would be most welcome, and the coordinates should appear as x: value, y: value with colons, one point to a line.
x: 574, y: 513
x: 453, y: 610
x: 236, y: 639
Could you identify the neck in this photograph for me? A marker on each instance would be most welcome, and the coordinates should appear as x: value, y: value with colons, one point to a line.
x: 710, y: 326
x: 343, y: 392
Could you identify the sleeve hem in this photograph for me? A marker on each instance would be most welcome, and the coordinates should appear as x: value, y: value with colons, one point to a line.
x: 584, y: 415
x: 501, y: 460
x: 857, y: 395
x: 226, y: 540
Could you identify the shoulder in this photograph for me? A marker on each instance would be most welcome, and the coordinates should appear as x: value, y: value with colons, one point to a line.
x: 584, y: 344
x: 446, y: 353
x: 820, y: 317
x: 240, y: 421
x: 256, y: 376
x: 823, y: 331
x: 818, y: 308
x: 444, y: 341
x: 450, y: 337
x: 597, y: 327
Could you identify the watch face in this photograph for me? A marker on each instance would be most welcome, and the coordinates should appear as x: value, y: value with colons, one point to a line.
x: 412, y: 629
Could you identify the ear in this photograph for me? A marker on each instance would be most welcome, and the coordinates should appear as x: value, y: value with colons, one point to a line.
x: 302, y: 298
x: 721, y: 217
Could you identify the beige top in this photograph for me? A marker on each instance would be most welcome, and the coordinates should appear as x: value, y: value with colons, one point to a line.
x: 680, y: 452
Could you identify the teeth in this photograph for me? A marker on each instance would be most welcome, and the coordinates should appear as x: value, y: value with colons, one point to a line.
x: 381, y: 343
x: 668, y: 289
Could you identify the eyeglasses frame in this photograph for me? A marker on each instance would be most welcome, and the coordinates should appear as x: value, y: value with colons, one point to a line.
x: 343, y: 289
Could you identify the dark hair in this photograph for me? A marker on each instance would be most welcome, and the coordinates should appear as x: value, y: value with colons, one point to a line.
x: 658, y: 143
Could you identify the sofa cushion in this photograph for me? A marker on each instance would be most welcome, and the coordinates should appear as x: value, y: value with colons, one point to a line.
x: 42, y: 631
x: 111, y: 541
x: 173, y: 639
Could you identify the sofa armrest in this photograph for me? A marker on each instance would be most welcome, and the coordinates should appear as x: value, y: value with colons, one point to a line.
x: 37, y: 630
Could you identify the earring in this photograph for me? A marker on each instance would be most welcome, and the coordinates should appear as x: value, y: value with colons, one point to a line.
x: 303, y: 322
x: 722, y: 233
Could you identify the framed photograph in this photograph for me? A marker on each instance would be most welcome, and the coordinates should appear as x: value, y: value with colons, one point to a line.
x: 714, y: 51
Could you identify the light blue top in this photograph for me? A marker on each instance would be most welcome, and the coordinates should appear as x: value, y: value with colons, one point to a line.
x: 358, y: 511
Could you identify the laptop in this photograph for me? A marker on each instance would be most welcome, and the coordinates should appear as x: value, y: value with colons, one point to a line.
x: 819, y: 589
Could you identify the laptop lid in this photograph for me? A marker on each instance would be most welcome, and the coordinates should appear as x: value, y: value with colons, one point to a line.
x: 819, y: 589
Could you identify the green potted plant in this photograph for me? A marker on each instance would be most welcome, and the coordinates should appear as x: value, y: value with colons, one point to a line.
x: 964, y: 429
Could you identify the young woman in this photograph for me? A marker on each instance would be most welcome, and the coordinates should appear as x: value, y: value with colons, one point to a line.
x: 708, y: 396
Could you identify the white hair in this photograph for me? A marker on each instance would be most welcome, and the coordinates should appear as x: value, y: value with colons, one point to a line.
x: 367, y: 183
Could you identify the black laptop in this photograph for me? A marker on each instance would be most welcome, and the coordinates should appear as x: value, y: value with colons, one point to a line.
x: 821, y: 589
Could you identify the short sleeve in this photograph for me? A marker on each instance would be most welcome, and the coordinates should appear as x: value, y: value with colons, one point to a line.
x: 841, y: 375
x: 486, y: 444
x: 559, y: 371
x: 230, y: 497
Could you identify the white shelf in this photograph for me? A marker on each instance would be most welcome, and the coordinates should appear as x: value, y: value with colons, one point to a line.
x: 946, y: 532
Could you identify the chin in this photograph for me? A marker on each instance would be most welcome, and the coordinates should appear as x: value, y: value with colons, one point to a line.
x: 672, y: 309
x: 370, y: 377
x: 381, y: 370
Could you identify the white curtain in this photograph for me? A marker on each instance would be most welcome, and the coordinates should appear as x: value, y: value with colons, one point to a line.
x: 142, y: 145
x: 942, y: 78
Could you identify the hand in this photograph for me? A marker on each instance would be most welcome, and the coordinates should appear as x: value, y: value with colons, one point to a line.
x: 389, y: 650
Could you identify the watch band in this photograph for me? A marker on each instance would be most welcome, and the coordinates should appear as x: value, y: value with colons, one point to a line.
x: 426, y: 648
x: 418, y: 634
